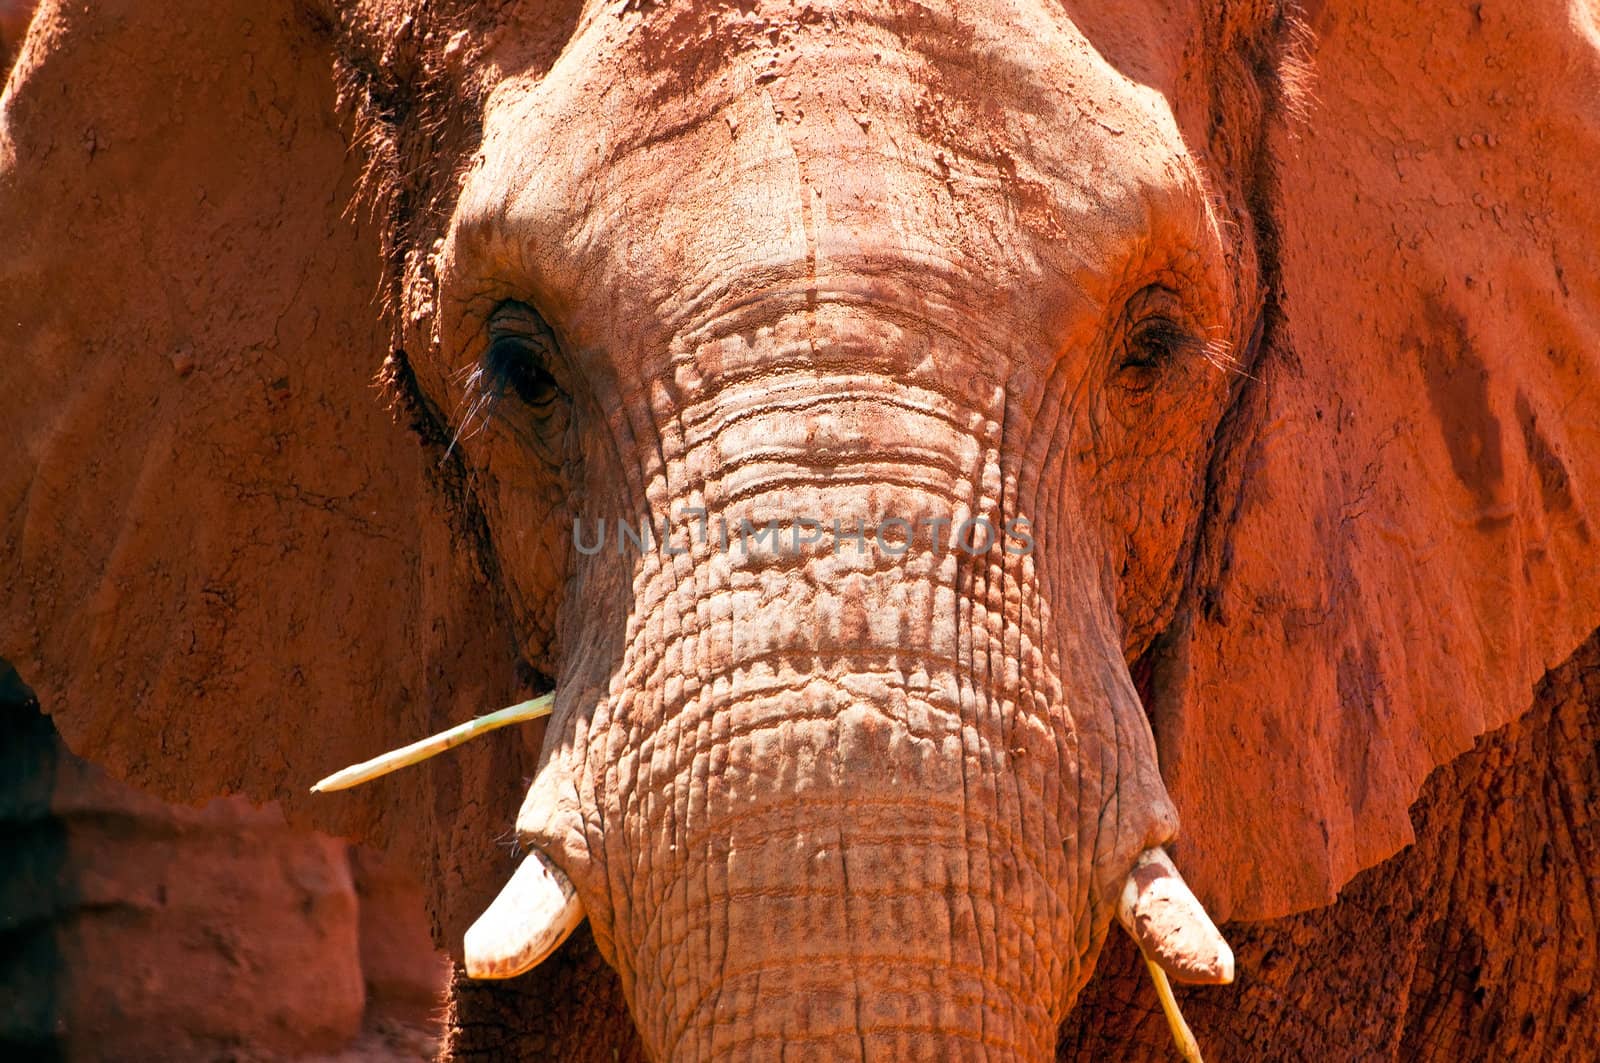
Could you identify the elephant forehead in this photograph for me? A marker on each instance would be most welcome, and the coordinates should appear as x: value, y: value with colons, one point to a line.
x: 673, y: 148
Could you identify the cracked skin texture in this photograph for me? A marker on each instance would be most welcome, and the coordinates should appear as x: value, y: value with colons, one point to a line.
x: 1477, y: 942
x: 229, y: 569
x: 1426, y: 956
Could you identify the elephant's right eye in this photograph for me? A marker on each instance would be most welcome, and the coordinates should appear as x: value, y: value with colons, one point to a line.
x: 521, y: 351
x: 515, y: 365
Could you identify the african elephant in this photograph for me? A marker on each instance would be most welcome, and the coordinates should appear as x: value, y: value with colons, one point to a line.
x: 1259, y: 339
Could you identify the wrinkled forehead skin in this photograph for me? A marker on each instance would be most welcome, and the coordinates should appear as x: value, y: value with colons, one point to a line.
x: 677, y: 161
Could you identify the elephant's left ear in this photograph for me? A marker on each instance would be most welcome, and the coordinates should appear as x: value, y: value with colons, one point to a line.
x: 222, y: 568
x: 1410, y: 535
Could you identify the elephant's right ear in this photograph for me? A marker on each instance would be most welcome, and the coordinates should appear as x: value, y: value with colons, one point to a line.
x: 1405, y: 531
x: 223, y: 568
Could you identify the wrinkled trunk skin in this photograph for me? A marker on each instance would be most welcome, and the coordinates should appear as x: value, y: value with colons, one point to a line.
x: 850, y: 802
x: 1426, y: 956
x: 877, y: 814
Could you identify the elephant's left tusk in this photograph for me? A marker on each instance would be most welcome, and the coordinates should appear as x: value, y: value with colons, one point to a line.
x: 1167, y: 920
x: 1173, y: 933
x: 428, y: 747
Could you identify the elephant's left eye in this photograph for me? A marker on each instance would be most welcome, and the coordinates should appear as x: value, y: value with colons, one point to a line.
x: 1153, y: 338
x: 1154, y: 343
x: 521, y: 351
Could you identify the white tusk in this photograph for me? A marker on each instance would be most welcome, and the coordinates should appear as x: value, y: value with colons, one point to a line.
x: 533, y: 915
x: 1170, y: 926
x: 1175, y: 935
x: 396, y: 759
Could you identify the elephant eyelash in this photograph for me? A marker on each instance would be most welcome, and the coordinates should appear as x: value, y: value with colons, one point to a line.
x: 514, y: 365
x: 1156, y: 342
x: 477, y: 405
x: 1160, y: 335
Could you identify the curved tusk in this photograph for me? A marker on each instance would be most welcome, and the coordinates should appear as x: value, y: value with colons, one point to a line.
x: 1175, y: 936
x: 533, y: 914
x: 1172, y: 929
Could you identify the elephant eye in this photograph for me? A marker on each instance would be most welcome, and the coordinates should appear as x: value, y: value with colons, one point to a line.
x: 521, y: 350
x: 514, y: 365
x: 1153, y: 338
x: 1154, y: 343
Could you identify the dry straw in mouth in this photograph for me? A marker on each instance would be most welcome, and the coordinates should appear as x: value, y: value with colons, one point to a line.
x: 432, y: 746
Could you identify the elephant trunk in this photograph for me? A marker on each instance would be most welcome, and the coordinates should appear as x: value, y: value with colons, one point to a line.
x: 851, y: 866
x: 864, y: 771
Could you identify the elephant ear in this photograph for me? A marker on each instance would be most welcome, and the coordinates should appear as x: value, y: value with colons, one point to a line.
x: 1409, y: 542
x: 225, y: 569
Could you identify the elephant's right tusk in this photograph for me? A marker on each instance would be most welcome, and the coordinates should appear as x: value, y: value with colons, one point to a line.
x: 432, y: 746
x: 532, y: 916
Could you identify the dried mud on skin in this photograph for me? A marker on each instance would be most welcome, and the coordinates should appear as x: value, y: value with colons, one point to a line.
x: 1477, y: 942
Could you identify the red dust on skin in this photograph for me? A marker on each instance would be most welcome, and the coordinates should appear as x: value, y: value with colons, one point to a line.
x: 227, y: 568
x: 14, y: 16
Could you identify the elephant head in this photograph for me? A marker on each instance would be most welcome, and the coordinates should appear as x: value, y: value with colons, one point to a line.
x: 1019, y: 428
